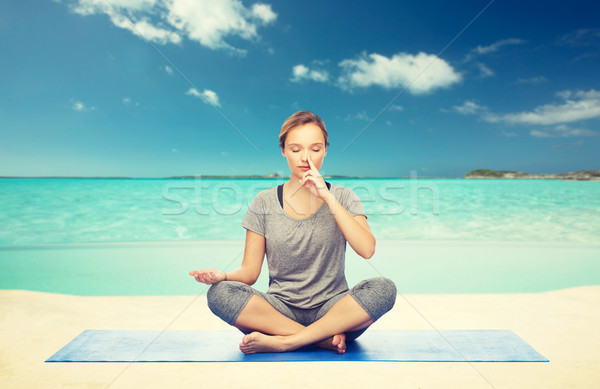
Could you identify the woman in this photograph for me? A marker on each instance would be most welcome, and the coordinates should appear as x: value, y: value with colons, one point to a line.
x: 302, y: 226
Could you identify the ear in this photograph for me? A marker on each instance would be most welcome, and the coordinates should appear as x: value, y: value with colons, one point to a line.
x: 283, y: 152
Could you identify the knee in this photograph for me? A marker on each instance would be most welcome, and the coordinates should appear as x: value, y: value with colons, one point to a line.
x: 386, y: 289
x: 214, y: 292
x: 380, y: 291
x: 219, y: 294
x: 227, y: 298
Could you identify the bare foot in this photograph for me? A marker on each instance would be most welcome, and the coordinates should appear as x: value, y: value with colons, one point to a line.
x: 335, y: 343
x: 257, y: 342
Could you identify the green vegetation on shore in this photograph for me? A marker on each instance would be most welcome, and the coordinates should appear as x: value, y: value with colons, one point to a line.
x: 580, y: 175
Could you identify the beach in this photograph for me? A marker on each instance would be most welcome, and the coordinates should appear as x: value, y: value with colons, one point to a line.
x: 562, y: 325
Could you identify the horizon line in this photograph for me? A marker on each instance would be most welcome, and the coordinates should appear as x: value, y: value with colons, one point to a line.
x: 477, y: 173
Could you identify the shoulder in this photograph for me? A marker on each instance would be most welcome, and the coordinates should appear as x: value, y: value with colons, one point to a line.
x: 267, y: 192
x: 265, y: 196
x: 348, y: 199
x: 341, y: 192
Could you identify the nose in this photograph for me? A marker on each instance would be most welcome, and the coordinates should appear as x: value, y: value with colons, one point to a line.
x: 305, y: 156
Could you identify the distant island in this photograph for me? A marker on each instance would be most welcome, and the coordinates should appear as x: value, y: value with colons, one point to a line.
x: 580, y: 175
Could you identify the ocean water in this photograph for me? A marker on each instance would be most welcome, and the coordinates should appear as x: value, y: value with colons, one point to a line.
x: 48, y: 211
x: 143, y: 236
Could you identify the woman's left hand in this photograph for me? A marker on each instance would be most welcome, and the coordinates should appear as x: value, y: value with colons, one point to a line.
x: 314, y: 182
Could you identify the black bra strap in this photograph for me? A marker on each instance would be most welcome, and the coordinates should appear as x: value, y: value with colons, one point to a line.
x: 280, y: 192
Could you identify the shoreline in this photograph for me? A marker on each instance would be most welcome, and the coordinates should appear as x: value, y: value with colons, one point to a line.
x: 421, y: 267
x: 561, y: 325
x: 240, y: 243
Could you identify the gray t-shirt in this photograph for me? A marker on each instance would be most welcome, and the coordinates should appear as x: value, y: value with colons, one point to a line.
x: 306, y: 257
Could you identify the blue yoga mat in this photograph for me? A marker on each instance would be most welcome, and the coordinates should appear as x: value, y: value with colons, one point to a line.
x: 373, y: 345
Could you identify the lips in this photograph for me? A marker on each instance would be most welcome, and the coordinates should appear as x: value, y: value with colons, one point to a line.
x: 305, y: 167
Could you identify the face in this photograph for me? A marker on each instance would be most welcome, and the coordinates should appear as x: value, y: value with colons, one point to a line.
x: 301, y: 142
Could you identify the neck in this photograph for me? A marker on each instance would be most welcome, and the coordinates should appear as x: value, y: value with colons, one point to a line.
x: 294, y: 187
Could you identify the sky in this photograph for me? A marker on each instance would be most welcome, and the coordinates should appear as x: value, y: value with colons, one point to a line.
x: 160, y: 88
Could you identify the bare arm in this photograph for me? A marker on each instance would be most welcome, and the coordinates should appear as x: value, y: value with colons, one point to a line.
x: 356, y: 230
x: 254, y: 254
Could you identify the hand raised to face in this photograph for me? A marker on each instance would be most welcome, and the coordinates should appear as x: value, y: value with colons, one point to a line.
x: 313, y: 181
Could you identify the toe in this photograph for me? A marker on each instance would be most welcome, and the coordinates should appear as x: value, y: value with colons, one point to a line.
x: 336, y: 340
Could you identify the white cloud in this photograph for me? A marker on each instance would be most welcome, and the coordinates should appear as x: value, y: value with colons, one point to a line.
x: 532, y: 80
x: 144, y: 29
x: 581, y: 37
x: 579, y: 105
x: 565, y: 94
x: 362, y: 115
x: 264, y: 12
x: 419, y: 73
x: 484, y: 70
x: 469, y: 108
x: 551, y: 118
x: 208, y: 22
x: 208, y: 96
x: 301, y: 72
x: 79, y: 106
x: 127, y: 100
x: 483, y: 50
x: 168, y: 69
x: 497, y: 45
x: 395, y: 107
x: 561, y: 131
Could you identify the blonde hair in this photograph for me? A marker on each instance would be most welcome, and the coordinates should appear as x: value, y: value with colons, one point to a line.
x: 301, y: 118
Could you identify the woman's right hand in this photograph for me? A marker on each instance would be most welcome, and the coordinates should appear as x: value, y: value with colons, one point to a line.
x: 208, y: 276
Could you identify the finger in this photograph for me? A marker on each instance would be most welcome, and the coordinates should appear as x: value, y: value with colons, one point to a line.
x: 313, y: 168
x: 310, y: 163
x: 306, y: 173
x: 318, y: 183
x: 313, y: 179
x: 306, y: 180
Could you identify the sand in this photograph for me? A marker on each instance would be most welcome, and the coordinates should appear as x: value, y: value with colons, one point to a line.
x: 562, y: 325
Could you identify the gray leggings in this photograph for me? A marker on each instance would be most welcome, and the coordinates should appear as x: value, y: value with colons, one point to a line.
x: 376, y: 296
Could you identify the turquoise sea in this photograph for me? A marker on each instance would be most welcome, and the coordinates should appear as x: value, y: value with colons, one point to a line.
x: 41, y: 211
x: 141, y: 236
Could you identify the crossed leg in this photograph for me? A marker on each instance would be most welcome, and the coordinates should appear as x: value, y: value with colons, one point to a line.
x: 275, y: 332
x: 270, y: 330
